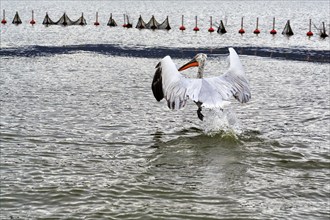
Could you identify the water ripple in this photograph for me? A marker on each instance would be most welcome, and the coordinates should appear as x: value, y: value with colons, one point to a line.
x: 94, y: 143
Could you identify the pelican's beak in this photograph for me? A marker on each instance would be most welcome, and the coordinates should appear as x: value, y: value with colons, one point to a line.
x: 191, y: 63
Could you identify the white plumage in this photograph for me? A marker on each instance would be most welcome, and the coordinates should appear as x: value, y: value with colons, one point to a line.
x: 213, y: 92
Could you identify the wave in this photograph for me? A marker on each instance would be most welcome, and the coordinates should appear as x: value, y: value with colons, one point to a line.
x: 192, y: 138
x: 299, y: 54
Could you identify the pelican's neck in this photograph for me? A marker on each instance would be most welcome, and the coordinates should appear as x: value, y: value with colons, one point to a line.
x: 200, y: 71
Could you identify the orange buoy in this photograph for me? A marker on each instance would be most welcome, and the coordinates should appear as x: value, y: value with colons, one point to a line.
x: 211, y: 29
x: 273, y: 31
x: 182, y: 27
x: 241, y: 31
x: 32, y: 21
x: 96, y: 23
x: 257, y: 31
x: 196, y: 28
x: 310, y: 33
x: 4, y: 18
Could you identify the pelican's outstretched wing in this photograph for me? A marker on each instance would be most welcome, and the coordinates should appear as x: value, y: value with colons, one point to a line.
x: 232, y: 83
x: 168, y: 83
x: 210, y: 92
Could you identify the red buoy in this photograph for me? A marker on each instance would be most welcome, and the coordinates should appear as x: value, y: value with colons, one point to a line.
x: 96, y: 23
x: 241, y: 31
x: 32, y: 21
x: 257, y: 31
x: 273, y: 31
x: 211, y: 29
x: 3, y: 19
x: 310, y: 33
x: 196, y: 28
x: 182, y: 27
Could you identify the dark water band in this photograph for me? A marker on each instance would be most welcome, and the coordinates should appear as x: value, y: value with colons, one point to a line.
x: 299, y: 54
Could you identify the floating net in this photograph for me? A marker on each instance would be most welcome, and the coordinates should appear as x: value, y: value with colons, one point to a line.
x: 165, y: 24
x: 47, y: 20
x: 287, y: 29
x: 64, y: 20
x: 152, y: 24
x: 17, y: 19
x: 141, y: 24
x: 221, y: 28
x: 111, y: 22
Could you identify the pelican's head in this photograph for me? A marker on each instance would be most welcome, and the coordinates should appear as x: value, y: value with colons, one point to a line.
x: 197, y: 61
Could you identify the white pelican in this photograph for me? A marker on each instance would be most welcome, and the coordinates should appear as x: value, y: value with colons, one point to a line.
x: 212, y: 92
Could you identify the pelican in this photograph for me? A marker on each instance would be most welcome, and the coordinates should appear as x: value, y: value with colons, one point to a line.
x: 212, y: 92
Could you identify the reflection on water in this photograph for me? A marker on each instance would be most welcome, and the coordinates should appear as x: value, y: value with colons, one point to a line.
x: 199, y: 168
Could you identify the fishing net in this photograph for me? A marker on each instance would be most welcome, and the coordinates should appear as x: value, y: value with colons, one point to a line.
x: 165, y: 24
x: 64, y: 20
x: 47, y: 20
x: 287, y: 29
x: 141, y: 24
x: 221, y: 28
x: 112, y: 22
x: 17, y: 19
x: 152, y: 24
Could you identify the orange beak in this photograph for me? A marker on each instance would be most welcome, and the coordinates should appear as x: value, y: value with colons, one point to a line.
x: 192, y: 63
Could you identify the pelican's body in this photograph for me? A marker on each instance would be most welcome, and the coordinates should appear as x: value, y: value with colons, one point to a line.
x: 212, y: 92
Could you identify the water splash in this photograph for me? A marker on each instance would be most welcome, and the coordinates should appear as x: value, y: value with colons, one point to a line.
x: 218, y: 121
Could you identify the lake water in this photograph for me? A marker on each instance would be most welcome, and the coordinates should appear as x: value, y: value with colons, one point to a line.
x: 82, y: 136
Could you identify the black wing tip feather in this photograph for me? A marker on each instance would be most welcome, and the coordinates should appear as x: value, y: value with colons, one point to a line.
x: 158, y: 65
x: 244, y: 98
x: 157, y: 84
